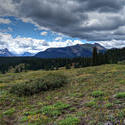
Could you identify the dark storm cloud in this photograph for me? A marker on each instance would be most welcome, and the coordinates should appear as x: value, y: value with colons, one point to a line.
x: 86, y: 19
x: 51, y: 14
x: 105, y: 5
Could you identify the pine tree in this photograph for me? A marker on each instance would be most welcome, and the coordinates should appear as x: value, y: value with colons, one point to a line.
x: 94, y: 56
x: 68, y: 66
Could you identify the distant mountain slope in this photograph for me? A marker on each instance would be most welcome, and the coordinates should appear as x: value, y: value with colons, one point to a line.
x: 5, y: 53
x: 27, y: 54
x: 79, y: 50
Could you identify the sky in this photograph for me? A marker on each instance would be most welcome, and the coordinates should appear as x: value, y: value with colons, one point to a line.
x: 35, y: 25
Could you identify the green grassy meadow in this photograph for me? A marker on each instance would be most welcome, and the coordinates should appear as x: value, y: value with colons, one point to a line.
x: 92, y: 96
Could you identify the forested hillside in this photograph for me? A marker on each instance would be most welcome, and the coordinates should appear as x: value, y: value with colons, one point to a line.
x: 19, y: 64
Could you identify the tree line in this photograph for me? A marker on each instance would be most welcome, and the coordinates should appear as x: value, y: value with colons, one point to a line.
x: 19, y: 64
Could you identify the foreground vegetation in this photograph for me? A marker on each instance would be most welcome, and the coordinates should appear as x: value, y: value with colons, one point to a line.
x: 88, y: 96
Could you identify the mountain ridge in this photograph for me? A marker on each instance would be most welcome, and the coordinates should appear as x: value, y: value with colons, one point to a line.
x: 5, y: 53
x: 79, y: 50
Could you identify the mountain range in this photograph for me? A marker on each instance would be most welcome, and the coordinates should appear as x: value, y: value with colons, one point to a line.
x: 5, y: 53
x: 79, y: 50
x: 27, y: 54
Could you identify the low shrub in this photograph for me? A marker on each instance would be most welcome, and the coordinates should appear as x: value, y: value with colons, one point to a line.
x: 69, y: 121
x: 120, y: 95
x: 9, y: 112
x: 121, y: 62
x: 121, y: 114
x: 50, y: 110
x: 45, y: 83
x: 97, y: 93
x: 109, y: 105
x: 122, y: 82
x: 91, y: 104
x: 54, y: 110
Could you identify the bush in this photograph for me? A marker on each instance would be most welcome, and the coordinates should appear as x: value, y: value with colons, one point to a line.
x: 50, y: 110
x: 109, y: 105
x: 69, y: 121
x: 97, y: 93
x: 120, y: 95
x: 47, y: 82
x: 121, y: 62
x: 54, y: 110
x: 9, y: 112
x: 91, y: 104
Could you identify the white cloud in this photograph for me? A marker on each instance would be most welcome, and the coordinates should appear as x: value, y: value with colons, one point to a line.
x: 58, y: 33
x: 29, y: 20
x: 58, y: 38
x: 65, y: 43
x: 43, y: 33
x: 4, y: 21
x: 113, y: 44
x: 20, y: 45
x: 78, y: 42
x: 9, y: 29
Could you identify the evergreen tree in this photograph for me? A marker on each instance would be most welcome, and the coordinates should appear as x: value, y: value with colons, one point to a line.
x: 17, y: 70
x: 68, y: 66
x: 76, y: 65
x: 94, y: 56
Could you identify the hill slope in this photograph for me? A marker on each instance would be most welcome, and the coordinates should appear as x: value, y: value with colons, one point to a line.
x: 79, y: 50
x: 93, y: 96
